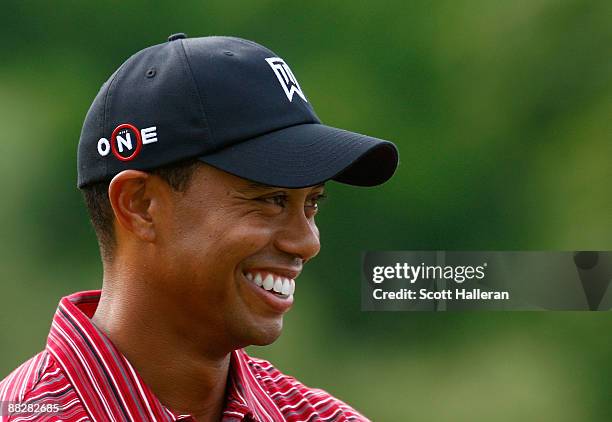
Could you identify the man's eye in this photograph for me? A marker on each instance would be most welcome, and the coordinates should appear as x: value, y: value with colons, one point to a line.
x: 313, y: 202
x: 280, y: 200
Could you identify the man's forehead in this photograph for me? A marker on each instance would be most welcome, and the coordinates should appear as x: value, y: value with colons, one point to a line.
x: 211, y: 175
x: 256, y: 186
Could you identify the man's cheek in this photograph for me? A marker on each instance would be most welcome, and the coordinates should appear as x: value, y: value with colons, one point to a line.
x: 248, y: 239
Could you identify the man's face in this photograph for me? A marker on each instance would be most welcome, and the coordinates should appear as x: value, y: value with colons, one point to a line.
x: 223, y: 237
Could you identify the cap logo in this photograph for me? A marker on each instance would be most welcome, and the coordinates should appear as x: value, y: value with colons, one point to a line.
x: 286, y: 78
x: 126, y: 141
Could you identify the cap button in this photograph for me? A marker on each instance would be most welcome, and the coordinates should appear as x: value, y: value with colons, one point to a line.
x: 177, y: 36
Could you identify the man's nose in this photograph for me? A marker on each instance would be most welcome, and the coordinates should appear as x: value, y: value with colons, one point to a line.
x: 298, y: 236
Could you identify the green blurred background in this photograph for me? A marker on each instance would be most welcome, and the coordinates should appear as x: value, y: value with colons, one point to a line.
x: 502, y: 114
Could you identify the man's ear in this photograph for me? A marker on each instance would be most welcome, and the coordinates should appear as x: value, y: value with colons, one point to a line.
x: 130, y: 196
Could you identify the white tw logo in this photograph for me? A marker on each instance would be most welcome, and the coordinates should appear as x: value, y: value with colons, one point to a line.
x: 286, y: 78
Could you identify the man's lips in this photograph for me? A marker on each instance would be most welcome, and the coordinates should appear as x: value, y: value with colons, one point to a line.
x: 273, y: 282
x: 274, y: 288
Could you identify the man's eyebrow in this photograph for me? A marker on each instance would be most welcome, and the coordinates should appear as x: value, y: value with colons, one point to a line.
x: 320, y: 185
x: 256, y: 186
x: 259, y: 186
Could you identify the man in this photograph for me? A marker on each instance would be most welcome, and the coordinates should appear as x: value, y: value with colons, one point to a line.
x: 202, y: 163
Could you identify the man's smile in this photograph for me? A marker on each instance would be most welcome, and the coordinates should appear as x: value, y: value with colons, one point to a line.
x: 274, y: 283
x: 276, y: 290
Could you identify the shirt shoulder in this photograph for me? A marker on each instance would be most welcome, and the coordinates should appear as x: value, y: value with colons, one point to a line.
x: 39, y: 385
x: 297, y: 401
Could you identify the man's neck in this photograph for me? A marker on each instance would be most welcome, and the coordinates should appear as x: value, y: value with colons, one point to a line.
x: 181, y: 377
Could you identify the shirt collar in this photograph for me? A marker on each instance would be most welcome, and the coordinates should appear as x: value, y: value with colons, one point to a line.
x: 110, y: 388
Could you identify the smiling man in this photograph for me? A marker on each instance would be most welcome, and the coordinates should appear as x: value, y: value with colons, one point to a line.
x: 202, y: 164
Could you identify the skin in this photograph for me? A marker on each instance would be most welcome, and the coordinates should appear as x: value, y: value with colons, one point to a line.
x: 175, y: 300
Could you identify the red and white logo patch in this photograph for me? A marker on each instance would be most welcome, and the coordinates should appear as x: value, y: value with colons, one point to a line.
x: 126, y: 141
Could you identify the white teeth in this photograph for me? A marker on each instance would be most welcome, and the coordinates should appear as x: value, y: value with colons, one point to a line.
x: 286, y: 286
x: 268, y: 282
x: 282, y: 285
x: 278, y: 285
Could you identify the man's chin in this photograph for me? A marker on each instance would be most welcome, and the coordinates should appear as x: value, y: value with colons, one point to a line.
x: 267, y: 333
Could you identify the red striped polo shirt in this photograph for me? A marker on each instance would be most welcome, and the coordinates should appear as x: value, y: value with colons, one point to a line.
x: 81, y: 376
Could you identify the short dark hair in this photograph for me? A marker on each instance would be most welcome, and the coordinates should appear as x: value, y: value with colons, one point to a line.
x: 177, y: 175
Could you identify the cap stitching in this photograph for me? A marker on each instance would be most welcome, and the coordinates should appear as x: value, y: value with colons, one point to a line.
x: 107, y: 98
x: 253, y: 44
x: 197, y: 90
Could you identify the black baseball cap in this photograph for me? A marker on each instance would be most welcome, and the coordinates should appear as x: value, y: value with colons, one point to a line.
x: 231, y: 103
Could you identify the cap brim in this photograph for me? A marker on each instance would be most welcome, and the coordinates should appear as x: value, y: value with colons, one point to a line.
x: 307, y: 155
